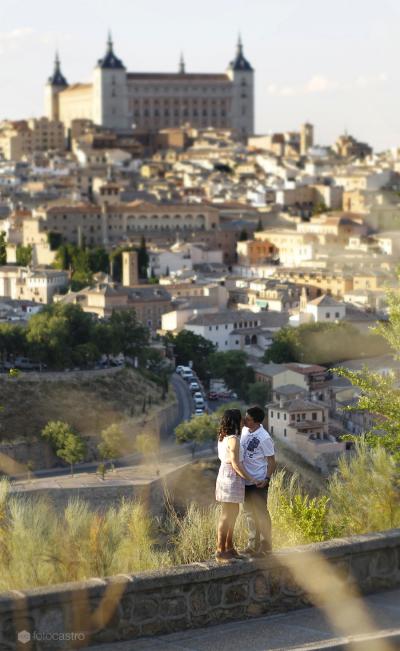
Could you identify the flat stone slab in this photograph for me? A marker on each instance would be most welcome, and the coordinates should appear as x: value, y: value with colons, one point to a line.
x: 295, y: 630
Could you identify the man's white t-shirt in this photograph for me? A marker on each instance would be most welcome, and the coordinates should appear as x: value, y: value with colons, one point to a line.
x: 255, y: 446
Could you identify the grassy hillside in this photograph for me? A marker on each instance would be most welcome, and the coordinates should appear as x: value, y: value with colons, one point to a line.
x: 88, y: 402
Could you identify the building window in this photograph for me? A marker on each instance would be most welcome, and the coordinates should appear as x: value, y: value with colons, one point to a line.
x: 293, y: 417
x: 284, y: 432
x: 327, y: 315
x: 314, y: 415
x: 272, y: 414
x: 278, y: 415
x: 337, y: 315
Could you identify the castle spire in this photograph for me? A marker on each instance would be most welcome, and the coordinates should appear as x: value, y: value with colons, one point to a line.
x: 110, y: 61
x: 57, y: 78
x: 240, y: 63
x: 182, y: 67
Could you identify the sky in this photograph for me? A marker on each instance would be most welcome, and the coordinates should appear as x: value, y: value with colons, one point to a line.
x: 334, y: 64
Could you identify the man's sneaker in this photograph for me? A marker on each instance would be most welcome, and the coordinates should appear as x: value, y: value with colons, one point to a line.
x: 235, y: 553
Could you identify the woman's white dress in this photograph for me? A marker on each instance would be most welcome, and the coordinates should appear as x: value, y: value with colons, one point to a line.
x: 230, y: 486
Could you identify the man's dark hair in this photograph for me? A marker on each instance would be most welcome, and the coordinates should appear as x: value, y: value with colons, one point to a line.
x: 256, y: 413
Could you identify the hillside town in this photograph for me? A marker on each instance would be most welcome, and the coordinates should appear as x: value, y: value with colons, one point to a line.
x: 201, y: 228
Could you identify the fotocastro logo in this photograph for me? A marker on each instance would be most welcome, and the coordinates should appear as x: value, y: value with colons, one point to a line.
x: 24, y: 637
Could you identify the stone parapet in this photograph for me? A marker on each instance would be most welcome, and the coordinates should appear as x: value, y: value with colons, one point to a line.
x: 124, y: 607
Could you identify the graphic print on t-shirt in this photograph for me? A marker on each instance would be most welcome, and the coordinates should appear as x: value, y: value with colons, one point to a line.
x: 252, y: 446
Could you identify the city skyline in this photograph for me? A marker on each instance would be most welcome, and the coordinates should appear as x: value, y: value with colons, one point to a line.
x: 346, y: 78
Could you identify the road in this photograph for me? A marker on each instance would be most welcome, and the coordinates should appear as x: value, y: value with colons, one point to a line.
x: 185, y: 410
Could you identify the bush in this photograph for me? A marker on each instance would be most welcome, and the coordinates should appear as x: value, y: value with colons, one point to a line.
x: 364, y: 493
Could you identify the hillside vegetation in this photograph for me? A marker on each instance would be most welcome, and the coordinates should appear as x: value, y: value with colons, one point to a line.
x: 89, y: 402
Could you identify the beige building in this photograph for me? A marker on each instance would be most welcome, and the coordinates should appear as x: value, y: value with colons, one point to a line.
x: 108, y: 224
x: 293, y: 247
x: 150, y: 302
x: 27, y: 137
x: 38, y: 285
x: 256, y: 252
x: 117, y: 99
x: 303, y: 425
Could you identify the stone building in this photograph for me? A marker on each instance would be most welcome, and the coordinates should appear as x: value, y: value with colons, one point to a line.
x: 19, y: 139
x: 118, y: 99
x: 37, y: 285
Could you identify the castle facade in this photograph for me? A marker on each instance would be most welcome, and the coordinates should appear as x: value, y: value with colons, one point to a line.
x: 117, y: 99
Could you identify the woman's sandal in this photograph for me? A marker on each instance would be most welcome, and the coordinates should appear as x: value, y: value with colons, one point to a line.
x: 235, y: 553
x: 224, y: 557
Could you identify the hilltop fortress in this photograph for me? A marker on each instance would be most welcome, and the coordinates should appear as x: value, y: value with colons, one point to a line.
x: 117, y: 99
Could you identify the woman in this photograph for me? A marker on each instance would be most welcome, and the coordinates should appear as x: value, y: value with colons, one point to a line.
x: 230, y: 482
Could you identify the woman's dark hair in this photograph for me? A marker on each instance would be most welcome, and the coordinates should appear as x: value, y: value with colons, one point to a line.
x: 230, y: 424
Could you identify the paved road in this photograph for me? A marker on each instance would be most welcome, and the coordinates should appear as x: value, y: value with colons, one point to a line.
x: 305, y: 629
x: 184, y: 397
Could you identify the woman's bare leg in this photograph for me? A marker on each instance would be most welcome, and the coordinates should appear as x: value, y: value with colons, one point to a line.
x: 223, y: 526
x: 233, y: 514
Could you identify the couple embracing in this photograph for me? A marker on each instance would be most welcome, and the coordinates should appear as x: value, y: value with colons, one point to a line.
x: 246, y: 452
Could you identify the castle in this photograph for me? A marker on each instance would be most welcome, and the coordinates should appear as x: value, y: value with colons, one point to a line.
x: 117, y: 99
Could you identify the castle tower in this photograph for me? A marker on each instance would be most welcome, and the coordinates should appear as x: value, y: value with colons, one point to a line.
x: 110, y: 91
x: 306, y: 138
x: 55, y: 84
x: 130, y: 268
x: 241, y: 74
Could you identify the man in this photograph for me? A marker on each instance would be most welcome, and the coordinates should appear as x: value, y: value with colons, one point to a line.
x: 259, y: 462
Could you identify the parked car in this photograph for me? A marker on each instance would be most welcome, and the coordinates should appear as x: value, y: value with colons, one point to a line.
x: 179, y: 369
x: 199, y: 411
x: 187, y: 375
x: 25, y: 364
x: 199, y: 402
x: 212, y: 395
x: 194, y: 386
x: 197, y: 395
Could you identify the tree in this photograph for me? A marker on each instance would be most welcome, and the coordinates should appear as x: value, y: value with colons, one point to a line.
x: 189, y: 347
x: 260, y: 226
x: 113, y: 443
x: 285, y: 347
x: 143, y: 258
x: 259, y: 393
x: 243, y: 235
x: 323, y: 343
x: 56, y: 432
x: 3, y: 248
x: 233, y: 369
x: 24, y: 255
x: 379, y: 394
x: 198, y: 429
x: 127, y: 334
x: 73, y: 450
x: 55, y: 240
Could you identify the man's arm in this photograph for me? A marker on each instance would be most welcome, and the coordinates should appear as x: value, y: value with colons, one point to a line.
x: 271, y: 467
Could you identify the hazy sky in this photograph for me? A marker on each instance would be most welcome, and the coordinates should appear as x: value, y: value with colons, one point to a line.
x: 335, y: 64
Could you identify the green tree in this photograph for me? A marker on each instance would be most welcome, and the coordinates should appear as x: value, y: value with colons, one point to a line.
x: 233, y: 369
x: 55, y: 240
x: 73, y: 450
x: 3, y: 250
x: 143, y: 258
x: 113, y: 443
x: 259, y: 393
x: 198, y: 429
x: 56, y: 432
x: 243, y: 236
x: 260, y: 226
x: 24, y: 255
x: 128, y: 335
x: 187, y: 346
x: 323, y: 343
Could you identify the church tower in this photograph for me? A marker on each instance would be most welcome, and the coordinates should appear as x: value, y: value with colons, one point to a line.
x: 241, y: 74
x: 55, y: 84
x: 110, y: 91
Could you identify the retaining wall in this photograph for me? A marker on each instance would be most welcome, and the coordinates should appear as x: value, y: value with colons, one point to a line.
x: 125, y: 607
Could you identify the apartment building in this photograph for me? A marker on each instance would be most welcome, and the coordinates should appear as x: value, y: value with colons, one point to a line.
x: 37, y: 285
x: 19, y: 139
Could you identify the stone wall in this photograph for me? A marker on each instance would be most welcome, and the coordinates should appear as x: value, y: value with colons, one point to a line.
x: 125, y: 607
